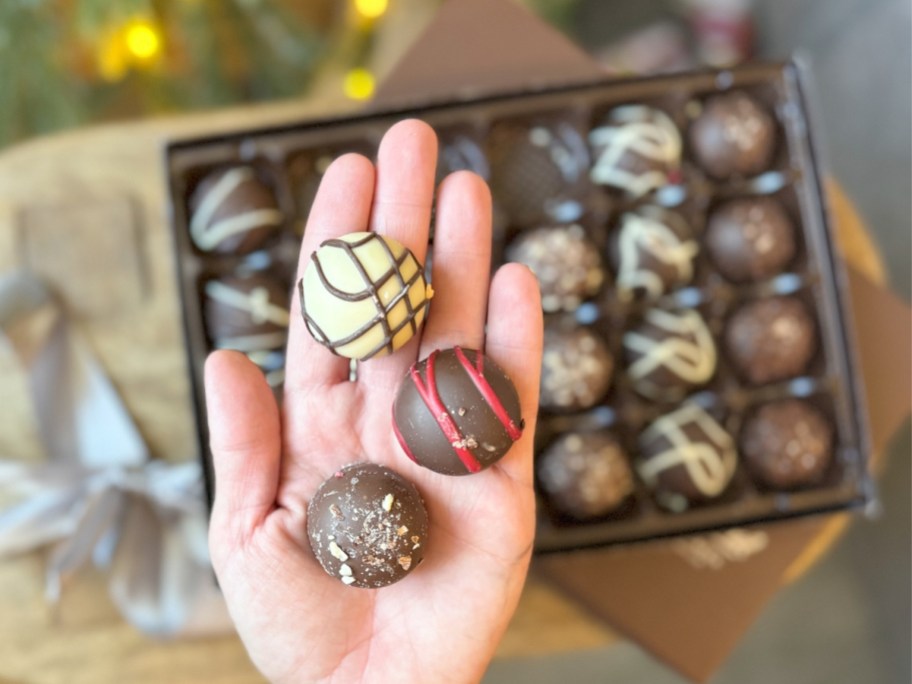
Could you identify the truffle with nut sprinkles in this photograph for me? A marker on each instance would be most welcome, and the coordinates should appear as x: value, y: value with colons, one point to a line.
x: 585, y: 474
x: 577, y: 369
x: 670, y: 353
x: 233, y: 212
x: 565, y: 261
x: 363, y: 295
x: 367, y: 526
x: 636, y: 149
x: 654, y: 254
x: 686, y: 457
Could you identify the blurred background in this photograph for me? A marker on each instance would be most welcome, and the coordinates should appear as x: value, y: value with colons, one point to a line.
x: 68, y: 63
x: 71, y: 63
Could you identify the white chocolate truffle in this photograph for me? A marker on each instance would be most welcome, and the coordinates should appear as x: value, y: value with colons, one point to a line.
x: 363, y: 295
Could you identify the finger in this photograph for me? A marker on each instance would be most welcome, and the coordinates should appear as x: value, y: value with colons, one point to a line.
x: 461, y: 264
x: 514, y: 341
x: 342, y: 205
x: 245, y: 440
x: 406, y: 163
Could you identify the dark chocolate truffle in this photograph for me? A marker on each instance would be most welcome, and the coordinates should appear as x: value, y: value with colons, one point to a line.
x: 577, y: 369
x: 771, y: 339
x: 367, y: 526
x: 539, y: 172
x: 733, y: 135
x: 750, y: 239
x: 669, y: 354
x: 686, y: 457
x: 585, y: 474
x: 566, y: 262
x: 233, y: 212
x: 787, y: 444
x: 306, y: 172
x: 363, y: 295
x: 460, y: 151
x: 653, y: 251
x: 272, y: 363
x: 636, y: 149
x: 457, y: 412
x: 246, y: 313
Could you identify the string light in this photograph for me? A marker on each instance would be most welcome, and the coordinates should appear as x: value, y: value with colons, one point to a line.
x: 142, y: 39
x: 359, y: 84
x: 371, y: 9
x: 110, y: 58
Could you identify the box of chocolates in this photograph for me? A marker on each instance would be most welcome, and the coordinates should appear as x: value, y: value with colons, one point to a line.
x: 698, y: 370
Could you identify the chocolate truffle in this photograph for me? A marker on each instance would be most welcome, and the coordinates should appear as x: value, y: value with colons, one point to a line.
x: 566, y: 262
x: 636, y: 149
x: 363, y: 295
x: 460, y: 151
x: 653, y: 252
x: 233, y: 212
x: 272, y: 363
x: 771, y: 339
x: 750, y: 239
x: 538, y: 172
x: 306, y: 172
x: 686, y: 457
x: 367, y: 526
x: 669, y: 353
x: 577, y: 369
x: 733, y: 135
x: 246, y: 313
x: 585, y: 474
x: 787, y: 444
x: 457, y: 412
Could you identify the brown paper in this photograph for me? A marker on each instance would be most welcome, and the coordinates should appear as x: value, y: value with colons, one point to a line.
x: 477, y: 47
x: 687, y: 601
x: 883, y: 332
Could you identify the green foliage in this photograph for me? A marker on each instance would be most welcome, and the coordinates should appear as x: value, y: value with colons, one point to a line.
x: 213, y: 53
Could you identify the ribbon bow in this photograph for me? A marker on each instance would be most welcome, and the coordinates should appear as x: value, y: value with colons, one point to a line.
x: 99, y: 495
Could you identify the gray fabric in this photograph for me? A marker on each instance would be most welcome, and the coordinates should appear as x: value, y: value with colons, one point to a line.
x: 98, y: 496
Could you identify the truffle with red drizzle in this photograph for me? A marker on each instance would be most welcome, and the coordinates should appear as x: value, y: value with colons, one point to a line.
x: 457, y: 412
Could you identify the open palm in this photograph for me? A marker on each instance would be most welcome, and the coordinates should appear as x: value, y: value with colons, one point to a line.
x: 443, y: 622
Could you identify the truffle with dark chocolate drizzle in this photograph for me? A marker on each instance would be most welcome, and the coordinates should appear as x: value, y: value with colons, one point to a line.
x: 367, y: 526
x: 457, y: 412
x: 363, y: 295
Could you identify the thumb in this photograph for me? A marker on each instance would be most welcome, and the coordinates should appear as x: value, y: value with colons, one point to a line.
x: 245, y: 440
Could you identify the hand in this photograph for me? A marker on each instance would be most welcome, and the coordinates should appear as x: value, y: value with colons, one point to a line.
x: 442, y: 623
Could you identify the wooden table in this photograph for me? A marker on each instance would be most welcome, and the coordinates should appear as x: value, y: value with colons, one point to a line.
x: 88, y: 210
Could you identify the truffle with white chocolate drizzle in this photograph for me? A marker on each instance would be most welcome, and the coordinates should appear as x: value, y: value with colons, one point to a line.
x: 233, y: 212
x: 363, y: 295
x: 686, y: 457
x: 246, y: 313
x: 653, y: 252
x: 457, y: 412
x: 367, y: 526
x: 636, y: 149
x: 669, y: 354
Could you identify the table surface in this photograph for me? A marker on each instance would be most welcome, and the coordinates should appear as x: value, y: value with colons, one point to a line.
x: 130, y: 313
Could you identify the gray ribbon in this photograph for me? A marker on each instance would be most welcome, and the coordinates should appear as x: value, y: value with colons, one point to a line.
x: 98, y: 495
